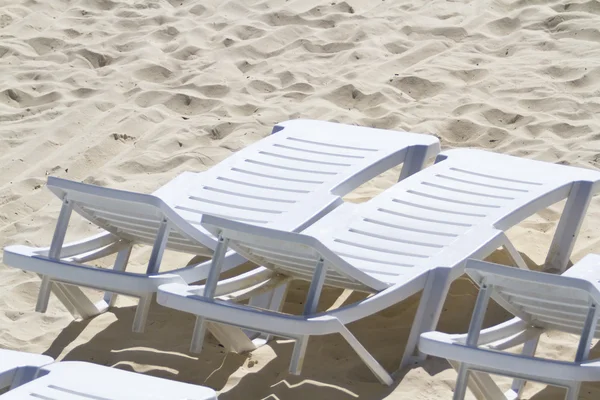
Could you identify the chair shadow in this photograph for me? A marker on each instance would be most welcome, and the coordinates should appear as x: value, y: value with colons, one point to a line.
x: 588, y: 391
x: 163, y: 351
x: 331, y: 370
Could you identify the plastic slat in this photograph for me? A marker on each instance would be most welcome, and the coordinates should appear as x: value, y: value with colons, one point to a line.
x: 445, y: 183
x: 199, y: 208
x: 285, y: 175
x: 460, y: 197
x: 332, y: 145
x: 418, y: 199
x: 416, y: 223
x: 114, y: 214
x: 493, y: 178
x: 269, y: 180
x: 271, y: 160
x: 371, y: 234
x: 429, y: 213
x: 227, y: 201
x: 377, y: 229
x: 385, y: 258
x: 306, y: 158
x: 228, y: 189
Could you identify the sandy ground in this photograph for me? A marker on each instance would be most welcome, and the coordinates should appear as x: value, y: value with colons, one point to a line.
x: 130, y: 93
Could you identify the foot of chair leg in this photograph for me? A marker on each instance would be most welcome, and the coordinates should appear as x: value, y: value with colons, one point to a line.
x: 198, y: 335
x: 141, y: 314
x: 461, y: 383
x: 102, y: 306
x: 510, y: 394
x: 44, y: 295
x: 415, y: 360
x: 298, y: 355
x: 573, y: 392
x: 110, y: 298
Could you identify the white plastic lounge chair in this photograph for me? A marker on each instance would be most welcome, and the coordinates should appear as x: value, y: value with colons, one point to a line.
x: 541, y: 302
x: 17, y: 367
x: 416, y: 235
x: 285, y: 181
x: 71, y: 380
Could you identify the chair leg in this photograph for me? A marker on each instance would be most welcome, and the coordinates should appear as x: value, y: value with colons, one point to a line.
x: 72, y: 297
x: 298, y: 355
x: 568, y: 227
x: 310, y: 307
x: 64, y: 297
x: 198, y: 335
x: 209, y: 292
x: 428, y: 313
x: 141, y: 313
x: 573, y: 391
x: 481, y: 385
x: 528, y: 350
x: 44, y: 295
x: 74, y: 300
x: 377, y: 369
x: 54, y: 253
x: 414, y: 162
x: 514, y: 253
x: 120, y: 265
x: 461, y: 382
x: 273, y: 301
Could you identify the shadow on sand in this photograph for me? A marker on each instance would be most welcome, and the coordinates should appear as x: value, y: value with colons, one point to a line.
x: 331, y: 369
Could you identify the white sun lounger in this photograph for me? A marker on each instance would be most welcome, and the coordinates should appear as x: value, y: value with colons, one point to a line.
x: 416, y: 235
x: 33, y: 376
x: 541, y: 301
x: 285, y: 181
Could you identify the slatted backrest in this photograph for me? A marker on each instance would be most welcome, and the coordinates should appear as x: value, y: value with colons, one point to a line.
x: 445, y: 213
x: 285, y: 181
x: 545, y: 300
x: 133, y: 216
x: 438, y: 217
x: 290, y: 253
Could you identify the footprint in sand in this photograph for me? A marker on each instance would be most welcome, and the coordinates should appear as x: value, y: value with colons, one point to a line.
x: 19, y: 99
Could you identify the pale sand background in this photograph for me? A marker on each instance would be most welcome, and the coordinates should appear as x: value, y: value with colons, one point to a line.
x: 130, y: 93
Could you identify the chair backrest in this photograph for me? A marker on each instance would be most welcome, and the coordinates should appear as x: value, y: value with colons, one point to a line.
x: 542, y: 299
x: 291, y: 178
x: 448, y: 212
x: 291, y: 253
x: 438, y: 217
x: 132, y: 216
x: 285, y: 181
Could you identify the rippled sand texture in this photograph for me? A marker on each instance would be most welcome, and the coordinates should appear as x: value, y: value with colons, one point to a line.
x: 128, y: 94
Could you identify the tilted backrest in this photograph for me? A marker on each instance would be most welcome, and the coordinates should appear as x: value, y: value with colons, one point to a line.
x: 285, y: 181
x: 132, y: 216
x: 290, y: 253
x: 440, y: 216
x: 447, y: 212
x: 542, y: 299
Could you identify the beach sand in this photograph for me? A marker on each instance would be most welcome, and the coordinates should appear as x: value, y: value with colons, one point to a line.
x: 130, y: 93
